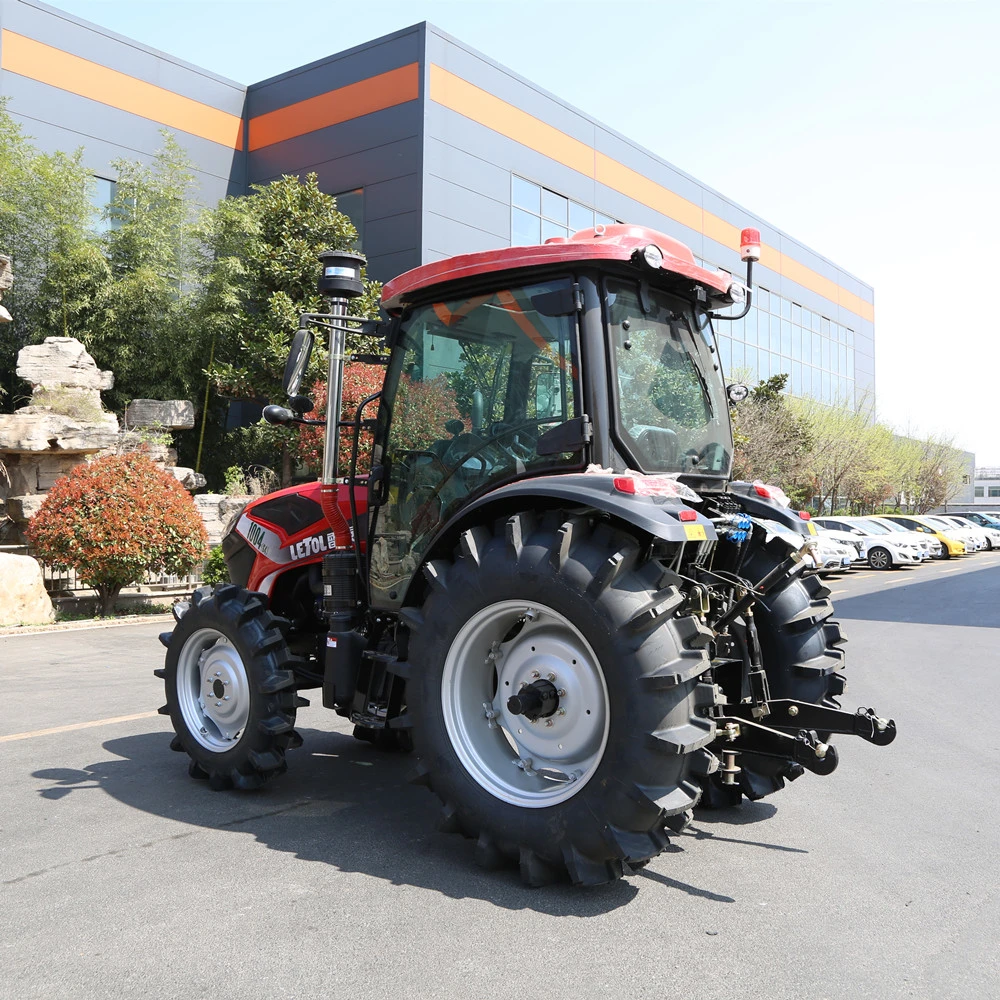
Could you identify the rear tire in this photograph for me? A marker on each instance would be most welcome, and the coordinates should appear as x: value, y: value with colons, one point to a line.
x: 230, y: 689
x: 611, y: 767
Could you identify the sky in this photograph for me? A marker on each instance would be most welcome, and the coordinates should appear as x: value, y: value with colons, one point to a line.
x: 868, y: 131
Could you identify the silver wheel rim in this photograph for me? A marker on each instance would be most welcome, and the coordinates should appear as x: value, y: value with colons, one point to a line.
x: 879, y: 559
x: 213, y: 692
x: 502, y: 648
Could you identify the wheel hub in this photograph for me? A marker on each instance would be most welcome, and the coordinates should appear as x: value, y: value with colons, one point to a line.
x: 213, y: 692
x: 525, y: 703
x: 534, y: 701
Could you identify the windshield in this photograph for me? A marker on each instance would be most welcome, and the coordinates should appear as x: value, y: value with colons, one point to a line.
x: 894, y: 525
x: 939, y: 524
x: 871, y: 527
x: 672, y: 415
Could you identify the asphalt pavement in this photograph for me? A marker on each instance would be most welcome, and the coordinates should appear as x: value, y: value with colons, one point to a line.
x: 121, y: 877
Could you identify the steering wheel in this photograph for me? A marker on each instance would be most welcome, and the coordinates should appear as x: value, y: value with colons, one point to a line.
x: 518, y: 450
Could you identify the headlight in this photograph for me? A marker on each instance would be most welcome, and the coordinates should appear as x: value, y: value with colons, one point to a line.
x: 653, y: 256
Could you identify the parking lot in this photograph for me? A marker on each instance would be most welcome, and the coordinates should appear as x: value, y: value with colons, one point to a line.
x: 122, y: 877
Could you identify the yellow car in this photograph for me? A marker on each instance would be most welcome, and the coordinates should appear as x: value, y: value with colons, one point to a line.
x: 949, y: 546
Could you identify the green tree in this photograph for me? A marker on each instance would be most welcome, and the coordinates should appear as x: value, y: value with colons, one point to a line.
x: 140, y: 321
x: 259, y: 270
x: 771, y: 441
x: 45, y: 225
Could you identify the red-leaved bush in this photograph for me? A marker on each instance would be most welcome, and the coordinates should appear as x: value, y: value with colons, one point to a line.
x: 360, y: 380
x: 115, y: 519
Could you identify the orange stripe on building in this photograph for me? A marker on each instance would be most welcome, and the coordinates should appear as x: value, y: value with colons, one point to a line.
x: 386, y: 90
x: 79, y: 76
x: 485, y: 108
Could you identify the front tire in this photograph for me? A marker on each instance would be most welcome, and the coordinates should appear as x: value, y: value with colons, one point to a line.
x: 587, y: 789
x: 879, y: 558
x: 230, y: 689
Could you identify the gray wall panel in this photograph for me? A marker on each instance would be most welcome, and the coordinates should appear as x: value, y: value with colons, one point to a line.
x: 391, y: 197
x: 394, y: 233
x: 649, y: 165
x: 83, y: 120
x: 447, y: 237
x: 466, y: 167
x: 384, y: 267
x: 336, y: 71
x: 462, y: 133
x: 457, y: 202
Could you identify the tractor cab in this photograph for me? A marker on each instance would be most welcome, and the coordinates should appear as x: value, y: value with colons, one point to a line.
x: 594, y: 351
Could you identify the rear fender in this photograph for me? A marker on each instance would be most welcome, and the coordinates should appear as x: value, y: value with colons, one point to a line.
x: 655, y: 517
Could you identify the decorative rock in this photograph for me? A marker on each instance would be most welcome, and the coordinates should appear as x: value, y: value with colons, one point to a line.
x: 31, y: 474
x: 170, y: 414
x: 23, y: 599
x: 188, y: 478
x: 34, y: 429
x: 61, y: 362
x: 23, y: 509
x: 217, y: 510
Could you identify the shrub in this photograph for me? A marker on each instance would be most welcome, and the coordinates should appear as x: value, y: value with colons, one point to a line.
x: 216, y: 570
x: 116, y: 519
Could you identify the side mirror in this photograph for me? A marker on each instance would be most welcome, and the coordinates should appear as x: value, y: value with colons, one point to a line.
x: 298, y: 361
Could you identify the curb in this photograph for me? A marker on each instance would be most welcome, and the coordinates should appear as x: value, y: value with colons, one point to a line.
x: 8, y: 630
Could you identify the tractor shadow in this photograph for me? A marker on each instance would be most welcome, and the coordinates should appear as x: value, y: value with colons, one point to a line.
x: 342, y: 803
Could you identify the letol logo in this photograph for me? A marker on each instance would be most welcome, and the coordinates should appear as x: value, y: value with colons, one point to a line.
x: 314, y: 546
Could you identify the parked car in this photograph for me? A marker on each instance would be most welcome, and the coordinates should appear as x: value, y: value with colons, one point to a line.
x: 857, y: 545
x: 990, y: 535
x: 950, y: 545
x: 877, y: 544
x: 826, y: 555
x: 984, y: 518
x: 974, y: 542
x: 930, y: 544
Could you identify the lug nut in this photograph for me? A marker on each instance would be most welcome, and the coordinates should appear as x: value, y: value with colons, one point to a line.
x: 793, y: 710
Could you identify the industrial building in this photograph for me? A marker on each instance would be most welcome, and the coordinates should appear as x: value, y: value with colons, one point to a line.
x: 433, y: 149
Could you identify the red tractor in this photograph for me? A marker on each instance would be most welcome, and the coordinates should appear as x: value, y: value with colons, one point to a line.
x: 546, y: 585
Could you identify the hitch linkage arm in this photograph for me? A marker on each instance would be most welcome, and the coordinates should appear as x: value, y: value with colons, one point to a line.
x: 804, y: 747
x: 786, y: 714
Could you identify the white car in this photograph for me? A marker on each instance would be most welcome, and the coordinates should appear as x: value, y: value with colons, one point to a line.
x: 928, y: 543
x: 846, y: 538
x: 881, y: 548
x: 826, y: 554
x: 991, y: 536
x: 973, y: 542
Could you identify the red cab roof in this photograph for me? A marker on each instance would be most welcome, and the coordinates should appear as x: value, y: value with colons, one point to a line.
x: 617, y: 242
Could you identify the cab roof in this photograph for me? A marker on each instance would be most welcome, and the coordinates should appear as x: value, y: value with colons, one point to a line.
x: 612, y: 243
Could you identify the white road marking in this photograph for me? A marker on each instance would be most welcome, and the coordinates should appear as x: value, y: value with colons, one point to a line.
x: 77, y: 725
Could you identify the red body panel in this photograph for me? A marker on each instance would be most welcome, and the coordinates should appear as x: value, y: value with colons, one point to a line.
x: 288, y: 536
x: 603, y: 243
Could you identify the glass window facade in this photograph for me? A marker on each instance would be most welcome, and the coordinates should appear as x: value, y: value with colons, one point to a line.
x: 781, y: 337
x: 102, y: 194
x: 538, y: 213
